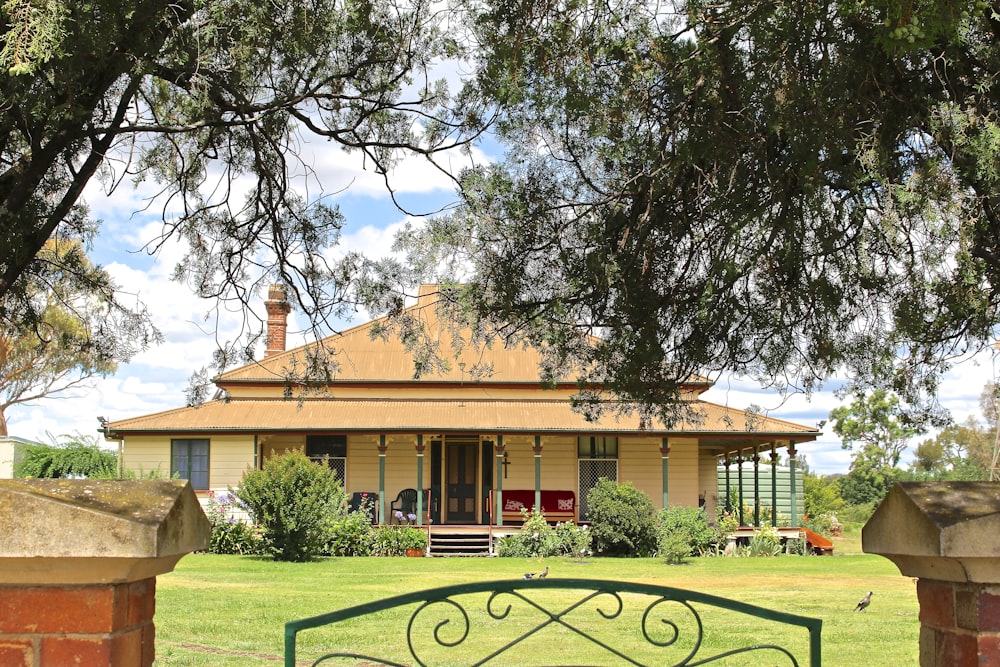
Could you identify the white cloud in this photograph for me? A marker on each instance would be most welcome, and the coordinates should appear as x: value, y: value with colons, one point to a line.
x: 132, y: 217
x: 339, y: 171
x: 959, y: 394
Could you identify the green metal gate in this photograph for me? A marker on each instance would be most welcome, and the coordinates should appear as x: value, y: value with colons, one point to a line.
x: 501, y: 622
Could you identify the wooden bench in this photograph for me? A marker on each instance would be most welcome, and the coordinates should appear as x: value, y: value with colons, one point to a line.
x: 560, y: 622
x: 556, y: 506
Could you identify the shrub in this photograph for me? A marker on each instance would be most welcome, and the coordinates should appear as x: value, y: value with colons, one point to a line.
x: 538, y: 539
x: 674, y: 548
x: 765, y: 542
x: 726, y: 524
x: 822, y: 524
x: 296, y: 503
x: 795, y: 547
x: 574, y: 540
x: 353, y: 534
x: 395, y: 540
x: 622, y: 520
x: 691, y: 525
x: 78, y: 456
x: 511, y: 546
x: 231, y: 535
x: 141, y: 473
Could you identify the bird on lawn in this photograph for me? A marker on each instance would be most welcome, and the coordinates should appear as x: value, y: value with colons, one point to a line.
x: 528, y: 575
x: 544, y: 573
x: 865, y: 601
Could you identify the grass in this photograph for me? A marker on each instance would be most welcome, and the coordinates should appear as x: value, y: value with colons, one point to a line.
x: 229, y: 610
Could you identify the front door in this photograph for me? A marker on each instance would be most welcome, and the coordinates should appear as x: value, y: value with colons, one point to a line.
x: 461, y: 459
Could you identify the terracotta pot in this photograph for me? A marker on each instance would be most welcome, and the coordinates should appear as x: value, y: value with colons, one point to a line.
x: 413, y: 552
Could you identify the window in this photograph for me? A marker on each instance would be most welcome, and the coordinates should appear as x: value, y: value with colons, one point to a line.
x: 329, y: 448
x: 326, y: 445
x: 189, y: 460
x: 597, y: 447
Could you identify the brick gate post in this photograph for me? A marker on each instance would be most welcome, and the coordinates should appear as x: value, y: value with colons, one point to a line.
x: 78, y: 567
x: 947, y: 534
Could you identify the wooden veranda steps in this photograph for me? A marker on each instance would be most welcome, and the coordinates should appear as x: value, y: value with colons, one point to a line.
x: 474, y: 540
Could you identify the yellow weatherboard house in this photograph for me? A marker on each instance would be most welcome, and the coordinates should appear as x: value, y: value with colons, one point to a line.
x: 480, y: 449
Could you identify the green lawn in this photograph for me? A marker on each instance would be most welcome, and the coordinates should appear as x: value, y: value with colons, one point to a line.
x: 228, y: 610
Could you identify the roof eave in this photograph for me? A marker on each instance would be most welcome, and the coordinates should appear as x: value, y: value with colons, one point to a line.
x: 119, y: 433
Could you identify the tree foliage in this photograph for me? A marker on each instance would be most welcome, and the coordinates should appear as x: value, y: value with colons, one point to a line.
x: 874, y: 428
x: 68, y: 328
x: 781, y: 189
x: 786, y: 190
x: 821, y: 495
x: 213, y: 101
x: 958, y: 451
x: 74, y: 455
x: 866, y: 485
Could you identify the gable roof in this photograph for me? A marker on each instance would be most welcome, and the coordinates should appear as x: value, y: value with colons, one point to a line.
x: 510, y: 400
x: 361, y: 357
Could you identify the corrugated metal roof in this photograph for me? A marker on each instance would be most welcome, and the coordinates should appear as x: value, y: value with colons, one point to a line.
x: 384, y: 367
x: 457, y: 414
x: 360, y: 358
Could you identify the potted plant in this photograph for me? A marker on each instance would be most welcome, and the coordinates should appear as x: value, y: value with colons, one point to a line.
x: 412, y: 540
x: 397, y: 540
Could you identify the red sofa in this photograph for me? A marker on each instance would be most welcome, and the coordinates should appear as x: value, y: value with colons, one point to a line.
x: 557, y: 505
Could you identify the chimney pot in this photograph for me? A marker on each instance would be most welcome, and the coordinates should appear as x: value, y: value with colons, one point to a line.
x: 277, y: 319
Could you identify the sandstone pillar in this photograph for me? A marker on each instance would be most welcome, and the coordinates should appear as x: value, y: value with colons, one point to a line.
x: 947, y: 534
x: 78, y: 567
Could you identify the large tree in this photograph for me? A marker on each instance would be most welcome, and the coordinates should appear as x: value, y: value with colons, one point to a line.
x: 788, y: 190
x: 213, y: 101
x: 783, y: 189
x: 874, y: 428
x: 958, y: 451
x: 76, y: 330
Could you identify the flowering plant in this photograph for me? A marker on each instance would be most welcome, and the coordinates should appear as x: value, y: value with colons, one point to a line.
x: 231, y: 533
x: 407, y: 519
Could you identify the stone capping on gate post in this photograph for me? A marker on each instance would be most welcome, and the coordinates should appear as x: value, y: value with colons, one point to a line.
x: 947, y: 534
x: 78, y: 567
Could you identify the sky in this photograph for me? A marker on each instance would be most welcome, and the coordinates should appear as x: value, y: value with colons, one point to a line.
x: 155, y: 379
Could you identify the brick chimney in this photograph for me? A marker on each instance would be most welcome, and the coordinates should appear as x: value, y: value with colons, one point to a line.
x: 277, y: 319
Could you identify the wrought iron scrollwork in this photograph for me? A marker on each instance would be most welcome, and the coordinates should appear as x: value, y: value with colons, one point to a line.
x: 441, y: 623
x: 667, y: 620
x: 440, y: 628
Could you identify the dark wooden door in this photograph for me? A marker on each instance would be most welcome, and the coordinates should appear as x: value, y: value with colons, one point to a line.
x: 461, y: 462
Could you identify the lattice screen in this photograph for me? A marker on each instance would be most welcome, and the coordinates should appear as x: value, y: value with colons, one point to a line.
x: 337, y: 463
x: 592, y: 470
